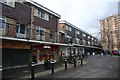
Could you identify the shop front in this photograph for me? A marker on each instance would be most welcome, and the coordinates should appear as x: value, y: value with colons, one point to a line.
x: 15, y: 54
x: 44, y: 52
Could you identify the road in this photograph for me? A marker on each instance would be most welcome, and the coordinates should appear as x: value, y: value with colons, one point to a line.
x: 97, y: 67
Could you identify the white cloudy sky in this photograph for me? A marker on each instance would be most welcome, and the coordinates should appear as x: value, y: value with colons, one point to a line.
x: 84, y: 14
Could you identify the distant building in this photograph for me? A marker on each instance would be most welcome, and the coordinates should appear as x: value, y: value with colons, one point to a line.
x: 110, y: 32
x: 82, y: 41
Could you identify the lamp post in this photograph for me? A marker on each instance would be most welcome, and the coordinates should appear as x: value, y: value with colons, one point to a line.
x: 70, y: 50
x: 74, y: 58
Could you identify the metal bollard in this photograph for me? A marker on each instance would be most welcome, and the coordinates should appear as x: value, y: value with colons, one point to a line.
x: 81, y: 61
x: 32, y: 71
x: 1, y: 72
x: 52, y: 67
x: 65, y: 64
x: 74, y: 62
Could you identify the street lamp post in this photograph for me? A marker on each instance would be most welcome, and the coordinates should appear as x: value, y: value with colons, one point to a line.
x: 70, y: 50
x: 74, y: 61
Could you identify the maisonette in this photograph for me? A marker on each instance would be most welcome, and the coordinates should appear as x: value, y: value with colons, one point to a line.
x: 79, y: 42
x: 28, y: 33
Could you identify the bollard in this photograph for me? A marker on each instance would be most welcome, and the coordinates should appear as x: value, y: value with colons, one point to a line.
x: 52, y: 67
x: 74, y: 62
x: 81, y: 61
x: 65, y: 64
x: 32, y: 71
x: 1, y: 72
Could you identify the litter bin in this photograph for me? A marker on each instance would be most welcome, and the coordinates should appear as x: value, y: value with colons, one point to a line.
x: 47, y: 65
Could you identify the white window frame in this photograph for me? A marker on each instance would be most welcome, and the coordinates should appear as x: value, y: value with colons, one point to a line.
x: 68, y: 28
x: 1, y: 21
x: 45, y: 17
x: 84, y: 35
x: 21, y: 35
x: 38, y: 36
x: 2, y: 28
x: 8, y: 2
x: 88, y: 37
x: 77, y: 32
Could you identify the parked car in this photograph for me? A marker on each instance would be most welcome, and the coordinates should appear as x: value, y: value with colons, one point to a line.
x: 116, y: 52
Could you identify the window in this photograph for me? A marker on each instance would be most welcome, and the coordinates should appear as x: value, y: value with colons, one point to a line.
x: 43, y: 15
x: 84, y: 35
x: 20, y: 28
x: 17, y: 28
x: 8, y: 2
x: 21, y: 31
x: 77, y: 32
x: 39, y: 31
x: 51, y: 35
x: 2, y: 25
x: 2, y: 22
x: 88, y: 37
x: 68, y: 28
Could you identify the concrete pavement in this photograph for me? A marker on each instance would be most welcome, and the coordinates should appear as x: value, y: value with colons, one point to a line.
x: 97, y: 67
x: 60, y: 68
x: 39, y: 70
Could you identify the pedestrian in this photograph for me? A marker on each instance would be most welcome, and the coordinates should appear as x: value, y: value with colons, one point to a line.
x: 34, y: 57
x: 103, y: 52
x: 60, y: 55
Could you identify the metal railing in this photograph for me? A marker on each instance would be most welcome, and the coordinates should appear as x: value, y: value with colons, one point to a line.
x: 12, y: 30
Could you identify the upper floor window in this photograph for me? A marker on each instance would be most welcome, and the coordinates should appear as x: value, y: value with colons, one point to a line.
x: 40, y: 31
x: 77, y: 32
x: 43, y: 15
x: 84, y: 35
x: 68, y: 28
x: 8, y: 2
x: 88, y: 37
x: 2, y: 22
x: 20, y: 29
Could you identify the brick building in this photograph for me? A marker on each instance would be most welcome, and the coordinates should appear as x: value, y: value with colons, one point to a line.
x: 31, y: 32
x: 79, y: 42
x: 110, y: 32
x: 25, y: 26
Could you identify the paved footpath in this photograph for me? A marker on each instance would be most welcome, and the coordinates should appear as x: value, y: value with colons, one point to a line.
x: 97, y: 67
x: 60, y: 68
x: 24, y: 73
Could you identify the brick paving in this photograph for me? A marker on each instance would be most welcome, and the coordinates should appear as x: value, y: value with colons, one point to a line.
x: 43, y: 73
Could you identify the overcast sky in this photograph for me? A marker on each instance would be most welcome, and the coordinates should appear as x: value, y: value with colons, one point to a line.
x: 84, y: 14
